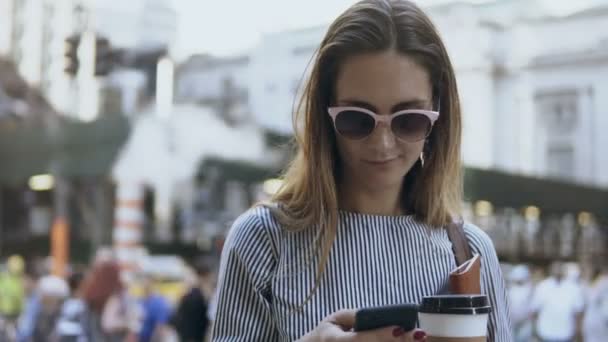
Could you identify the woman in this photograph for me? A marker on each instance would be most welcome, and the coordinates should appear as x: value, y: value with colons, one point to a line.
x: 99, y: 286
x: 360, y: 218
x: 121, y: 316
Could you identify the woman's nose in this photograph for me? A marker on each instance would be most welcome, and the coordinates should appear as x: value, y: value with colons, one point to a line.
x: 383, y: 137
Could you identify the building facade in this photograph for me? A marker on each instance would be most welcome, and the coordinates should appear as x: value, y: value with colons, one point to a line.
x: 33, y: 33
x: 218, y: 83
x: 531, y: 82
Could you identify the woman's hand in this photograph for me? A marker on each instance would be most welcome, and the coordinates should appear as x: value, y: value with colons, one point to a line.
x: 337, y: 327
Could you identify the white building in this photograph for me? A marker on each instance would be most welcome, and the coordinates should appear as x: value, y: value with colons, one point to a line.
x: 166, y: 153
x: 279, y: 66
x: 270, y: 76
x: 136, y: 23
x: 6, y: 27
x: 205, y: 79
x: 33, y: 33
x: 532, y: 84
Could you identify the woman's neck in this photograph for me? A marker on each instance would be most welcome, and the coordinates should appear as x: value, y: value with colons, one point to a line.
x: 368, y: 200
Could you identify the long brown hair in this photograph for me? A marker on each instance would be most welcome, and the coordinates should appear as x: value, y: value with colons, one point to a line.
x: 308, y: 198
x: 99, y: 285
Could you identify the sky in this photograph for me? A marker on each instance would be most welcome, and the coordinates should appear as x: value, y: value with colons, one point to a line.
x: 225, y: 27
x: 231, y: 27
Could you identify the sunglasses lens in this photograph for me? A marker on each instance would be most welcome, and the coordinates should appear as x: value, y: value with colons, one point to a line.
x: 411, y: 127
x: 354, y: 124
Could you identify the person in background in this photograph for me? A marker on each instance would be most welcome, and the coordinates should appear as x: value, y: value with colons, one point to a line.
x: 156, y: 315
x: 595, y: 322
x: 121, y: 318
x: 27, y: 319
x: 558, y: 305
x: 191, y: 318
x: 98, y: 286
x: 572, y: 273
x: 72, y: 323
x: 520, y: 295
x: 212, y: 309
x: 53, y: 291
x: 12, y: 293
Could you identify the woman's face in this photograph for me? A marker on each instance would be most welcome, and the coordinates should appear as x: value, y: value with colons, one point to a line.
x: 384, y: 83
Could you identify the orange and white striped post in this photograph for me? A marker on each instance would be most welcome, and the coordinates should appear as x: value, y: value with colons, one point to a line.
x: 128, y: 225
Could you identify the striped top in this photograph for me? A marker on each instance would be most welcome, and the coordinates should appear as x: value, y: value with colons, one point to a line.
x: 266, y: 273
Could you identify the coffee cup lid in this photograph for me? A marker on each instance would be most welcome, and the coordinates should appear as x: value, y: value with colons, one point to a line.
x: 456, y: 304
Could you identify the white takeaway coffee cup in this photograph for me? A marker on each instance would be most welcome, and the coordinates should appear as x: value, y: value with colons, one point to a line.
x: 455, y: 318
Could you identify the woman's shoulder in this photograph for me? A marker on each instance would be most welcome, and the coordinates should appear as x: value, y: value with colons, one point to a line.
x: 258, y: 217
x: 256, y: 226
x: 479, y: 241
x: 251, y: 246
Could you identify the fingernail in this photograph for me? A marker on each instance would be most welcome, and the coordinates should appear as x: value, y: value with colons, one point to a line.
x: 398, y: 332
x: 419, y: 335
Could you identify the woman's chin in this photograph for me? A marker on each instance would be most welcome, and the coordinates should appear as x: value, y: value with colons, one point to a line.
x: 385, y: 182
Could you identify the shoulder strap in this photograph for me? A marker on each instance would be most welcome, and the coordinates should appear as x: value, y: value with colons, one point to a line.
x: 460, y: 244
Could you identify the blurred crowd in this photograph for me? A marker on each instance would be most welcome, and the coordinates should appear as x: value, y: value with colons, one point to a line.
x: 558, y: 304
x: 97, y: 302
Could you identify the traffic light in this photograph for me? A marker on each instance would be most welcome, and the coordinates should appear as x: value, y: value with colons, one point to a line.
x: 71, y: 55
x: 104, y: 57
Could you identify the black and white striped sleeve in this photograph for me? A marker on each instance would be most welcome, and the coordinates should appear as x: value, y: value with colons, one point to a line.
x: 492, y: 284
x: 243, y: 302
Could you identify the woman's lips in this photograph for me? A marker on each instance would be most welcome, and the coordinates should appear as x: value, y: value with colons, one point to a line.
x: 382, y: 162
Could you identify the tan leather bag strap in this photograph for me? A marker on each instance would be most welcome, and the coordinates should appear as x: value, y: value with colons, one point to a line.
x: 460, y: 244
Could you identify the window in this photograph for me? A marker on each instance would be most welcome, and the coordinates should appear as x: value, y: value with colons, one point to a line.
x: 562, y: 116
x: 558, y: 111
x: 560, y: 161
x: 559, y: 117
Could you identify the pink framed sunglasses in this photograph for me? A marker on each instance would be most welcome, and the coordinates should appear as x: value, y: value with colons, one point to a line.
x: 409, y: 125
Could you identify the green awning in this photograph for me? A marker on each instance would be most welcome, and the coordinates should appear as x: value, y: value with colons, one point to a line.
x: 79, y: 150
x: 509, y: 190
x: 500, y: 188
x: 236, y: 170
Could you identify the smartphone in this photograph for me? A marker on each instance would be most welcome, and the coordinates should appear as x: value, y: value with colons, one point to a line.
x: 402, y: 315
